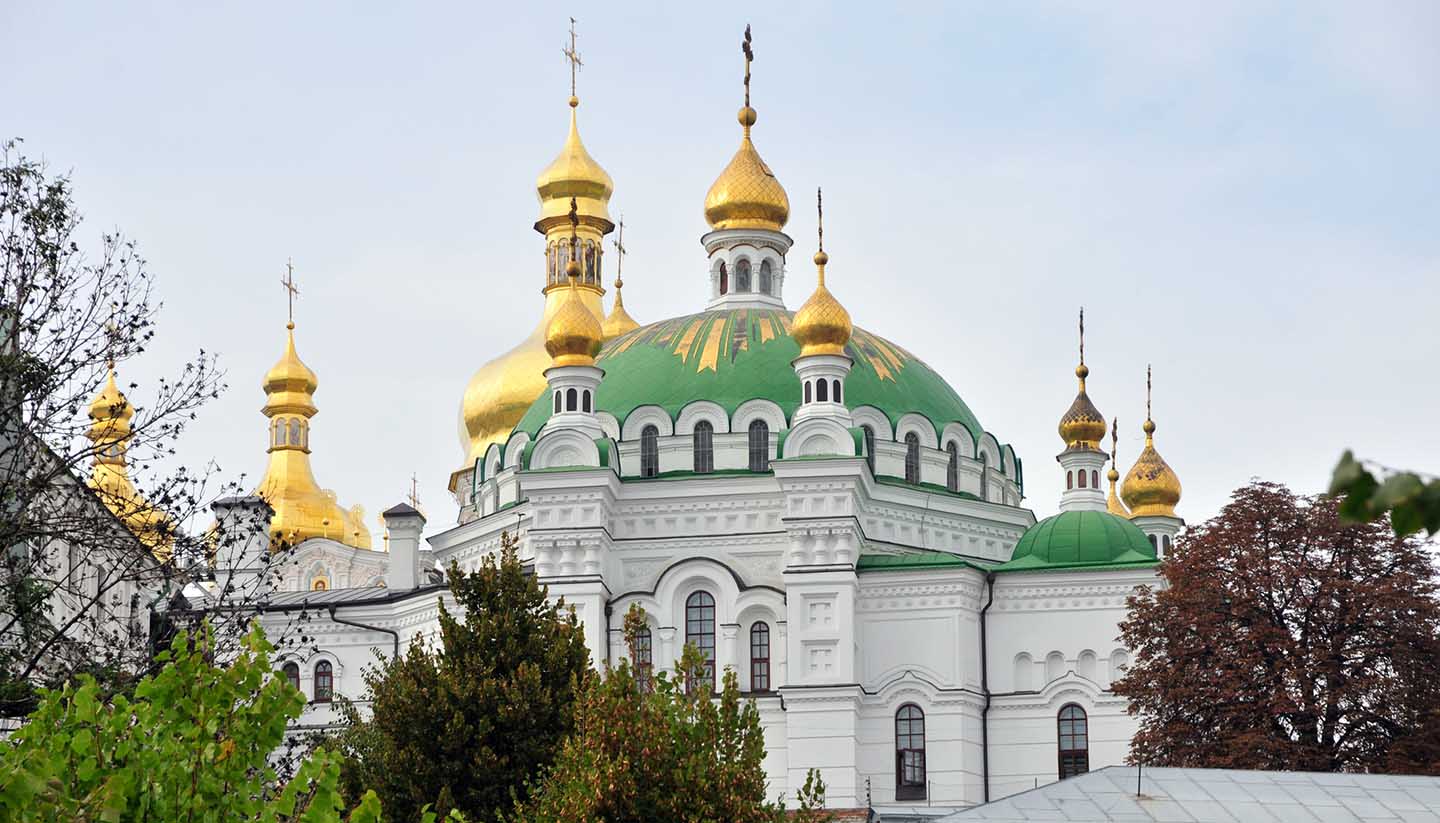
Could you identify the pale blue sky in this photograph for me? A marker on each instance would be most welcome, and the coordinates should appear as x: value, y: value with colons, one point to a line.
x: 1243, y: 194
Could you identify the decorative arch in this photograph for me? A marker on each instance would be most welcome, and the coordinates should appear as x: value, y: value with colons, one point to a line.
x: 515, y: 449
x: 492, y: 461
x: 1119, y: 662
x: 991, y: 447
x: 1007, y: 468
x: 1085, y: 665
x: 1024, y: 672
x: 1054, y: 666
x: 876, y: 420
x: 643, y: 416
x: 958, y: 434
x: 608, y: 424
x: 758, y: 408
x: 561, y: 448
x: 819, y: 437
x: 698, y: 410
x: 921, y: 426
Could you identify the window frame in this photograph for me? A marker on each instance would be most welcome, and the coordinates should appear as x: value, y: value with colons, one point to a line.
x: 759, y: 445
x: 291, y: 672
x: 326, y: 669
x: 952, y: 467
x: 650, y: 451
x: 910, y: 758
x: 868, y: 435
x: 1074, y: 760
x: 702, y: 446
x: 912, y: 457
x: 760, y: 656
x: 643, y: 658
x: 699, y: 627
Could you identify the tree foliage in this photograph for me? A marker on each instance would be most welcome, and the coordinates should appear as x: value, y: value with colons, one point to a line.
x: 1411, y: 502
x: 192, y: 745
x: 465, y: 723
x: 1288, y: 638
x: 75, y: 585
x: 649, y: 748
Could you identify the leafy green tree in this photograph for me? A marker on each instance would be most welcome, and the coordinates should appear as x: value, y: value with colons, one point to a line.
x: 1412, y: 502
x: 650, y: 749
x: 193, y: 744
x: 468, y: 722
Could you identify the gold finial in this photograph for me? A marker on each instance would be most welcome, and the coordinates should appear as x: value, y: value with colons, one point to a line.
x: 822, y: 326
x: 1082, y: 427
x: 619, y: 321
x: 1112, y: 500
x: 749, y: 56
x: 291, y: 292
x: 414, y: 497
x: 573, y: 57
x: 1149, y: 423
x: 619, y: 243
x: 821, y: 258
x: 572, y: 268
x: 1082, y: 371
x: 746, y: 195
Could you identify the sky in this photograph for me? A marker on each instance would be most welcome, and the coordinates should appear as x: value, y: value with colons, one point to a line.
x: 1244, y: 195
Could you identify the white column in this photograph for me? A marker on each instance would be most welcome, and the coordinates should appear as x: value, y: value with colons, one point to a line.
x: 404, y: 525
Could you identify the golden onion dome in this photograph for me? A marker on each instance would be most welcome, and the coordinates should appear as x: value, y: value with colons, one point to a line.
x: 1082, y: 427
x: 574, y: 335
x: 110, y: 413
x: 746, y: 195
x: 574, y: 174
x: 290, y: 384
x: 822, y: 326
x: 1151, y: 487
x: 619, y: 322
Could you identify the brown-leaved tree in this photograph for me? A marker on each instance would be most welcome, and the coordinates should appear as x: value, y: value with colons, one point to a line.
x: 1287, y: 638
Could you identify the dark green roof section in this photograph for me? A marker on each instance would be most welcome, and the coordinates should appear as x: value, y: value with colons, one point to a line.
x: 911, y: 561
x: 1081, y: 540
x: 735, y: 355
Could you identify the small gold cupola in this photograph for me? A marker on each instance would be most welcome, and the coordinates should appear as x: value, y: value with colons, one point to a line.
x: 1082, y: 426
x: 110, y: 431
x: 822, y: 326
x: 619, y: 321
x: 746, y: 195
x: 1151, y: 487
x: 574, y: 335
x: 302, y: 509
x: 1112, y: 501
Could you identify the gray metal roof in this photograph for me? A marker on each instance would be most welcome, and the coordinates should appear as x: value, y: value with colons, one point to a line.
x: 1220, y: 796
x: 283, y: 601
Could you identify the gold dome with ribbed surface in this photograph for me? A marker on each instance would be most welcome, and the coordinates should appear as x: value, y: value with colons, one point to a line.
x: 574, y: 174
x: 302, y: 509
x: 1151, y: 487
x: 822, y: 326
x: 1082, y: 427
x: 574, y: 335
x: 747, y: 195
x: 110, y: 414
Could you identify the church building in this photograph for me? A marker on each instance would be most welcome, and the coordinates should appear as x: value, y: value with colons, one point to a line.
x: 805, y: 501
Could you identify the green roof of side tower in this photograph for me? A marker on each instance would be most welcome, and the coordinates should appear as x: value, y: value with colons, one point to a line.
x: 731, y: 356
x: 1080, y: 540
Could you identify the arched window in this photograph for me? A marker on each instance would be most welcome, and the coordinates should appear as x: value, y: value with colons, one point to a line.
x: 1074, y: 734
x: 649, y: 451
x: 984, y: 476
x: 807, y: 391
x: 760, y: 657
x: 1069, y: 480
x: 724, y: 279
x: 643, y: 658
x: 1082, y: 478
x: 557, y: 402
x: 759, y: 446
x: 835, y: 390
x: 1154, y: 544
x: 909, y: 753
x: 742, y: 276
x: 912, y: 458
x: 952, y: 467
x: 291, y: 673
x: 1165, y: 543
x: 572, y: 399
x: 704, y: 444
x: 585, y: 401
x: 700, y: 630
x: 592, y: 267
x: 767, y: 282
x: 324, y: 682
x: 869, y: 435
x: 1094, y: 479
x: 822, y: 391
x: 294, y: 431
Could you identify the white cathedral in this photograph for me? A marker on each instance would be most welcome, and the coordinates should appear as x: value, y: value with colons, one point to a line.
x: 806, y: 502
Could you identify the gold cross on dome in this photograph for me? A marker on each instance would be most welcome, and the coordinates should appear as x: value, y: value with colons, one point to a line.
x: 291, y: 291
x: 414, y: 492
x: 619, y: 243
x: 573, y: 56
x: 112, y: 331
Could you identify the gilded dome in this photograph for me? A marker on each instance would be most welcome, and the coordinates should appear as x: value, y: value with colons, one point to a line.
x: 574, y: 335
x: 1082, y: 427
x: 302, y: 509
x: 110, y: 413
x: 746, y: 195
x: 1151, y: 487
x: 574, y: 174
x: 619, y: 322
x: 822, y: 326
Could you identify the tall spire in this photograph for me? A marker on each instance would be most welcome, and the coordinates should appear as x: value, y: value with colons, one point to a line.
x: 822, y: 326
x: 619, y: 322
x: 1151, y: 487
x: 1112, y: 502
x: 746, y: 195
x: 1082, y: 427
x: 302, y: 508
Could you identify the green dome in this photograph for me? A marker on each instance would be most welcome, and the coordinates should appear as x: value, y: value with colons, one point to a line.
x: 1080, y: 539
x: 735, y: 355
